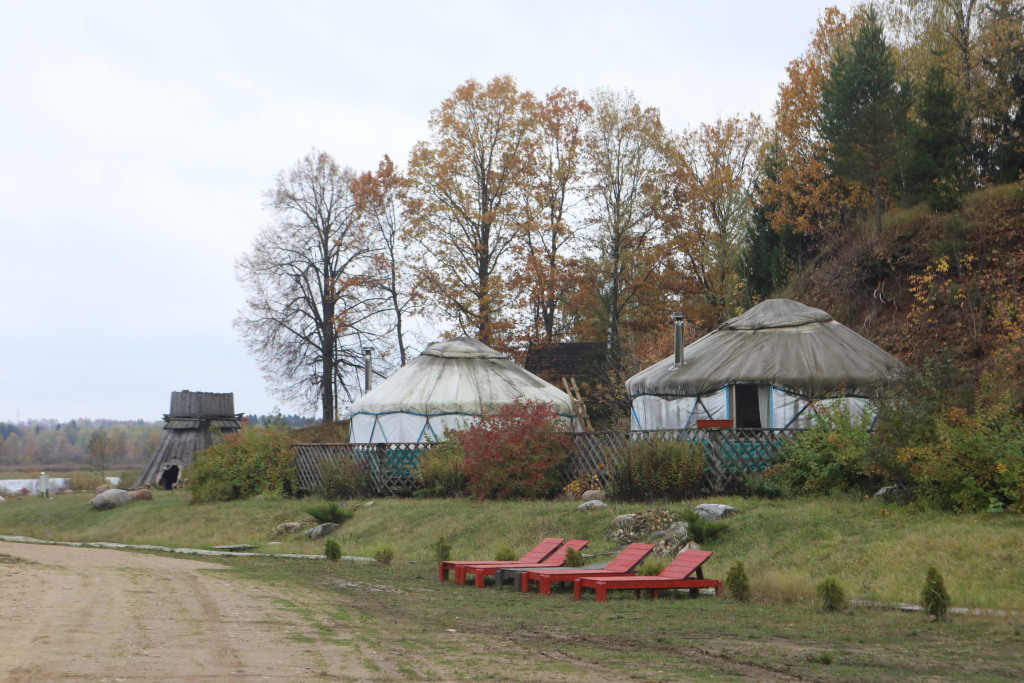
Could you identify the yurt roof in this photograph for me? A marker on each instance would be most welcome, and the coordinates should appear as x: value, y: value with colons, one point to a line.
x: 461, y: 375
x: 779, y: 342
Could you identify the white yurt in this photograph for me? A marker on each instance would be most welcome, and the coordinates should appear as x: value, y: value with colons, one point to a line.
x: 450, y: 384
x: 771, y: 367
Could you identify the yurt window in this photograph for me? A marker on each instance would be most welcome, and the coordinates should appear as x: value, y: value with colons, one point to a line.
x: 751, y: 405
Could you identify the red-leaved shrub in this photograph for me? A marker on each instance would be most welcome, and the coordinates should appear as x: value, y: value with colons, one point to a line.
x: 516, y: 453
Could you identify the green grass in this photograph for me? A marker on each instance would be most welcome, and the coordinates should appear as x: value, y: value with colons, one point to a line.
x: 875, y: 551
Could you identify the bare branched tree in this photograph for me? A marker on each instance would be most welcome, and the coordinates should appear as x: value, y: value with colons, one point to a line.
x: 308, y: 309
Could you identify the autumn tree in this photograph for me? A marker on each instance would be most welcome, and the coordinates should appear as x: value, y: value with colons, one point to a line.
x: 103, y: 447
x: 378, y: 203
x: 308, y: 310
x: 467, y: 187
x: 980, y: 45
x: 801, y: 195
x: 715, y: 168
x: 545, y: 264
x: 625, y: 159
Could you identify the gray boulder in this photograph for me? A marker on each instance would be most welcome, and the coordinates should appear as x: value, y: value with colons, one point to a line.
x: 625, y: 523
x: 593, y: 494
x: 888, y: 492
x: 111, y: 499
x: 592, y: 505
x: 712, y: 512
x: 321, y: 530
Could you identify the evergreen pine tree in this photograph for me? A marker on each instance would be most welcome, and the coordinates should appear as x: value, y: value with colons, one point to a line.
x: 864, y: 111
x: 935, y: 149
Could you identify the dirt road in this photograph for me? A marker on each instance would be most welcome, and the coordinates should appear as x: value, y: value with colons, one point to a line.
x: 107, y: 615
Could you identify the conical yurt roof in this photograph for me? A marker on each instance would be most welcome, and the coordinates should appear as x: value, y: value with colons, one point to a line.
x: 779, y: 342
x: 461, y: 376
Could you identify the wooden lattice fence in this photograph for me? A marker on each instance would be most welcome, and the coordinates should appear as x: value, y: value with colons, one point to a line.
x: 731, y: 455
x: 390, y: 467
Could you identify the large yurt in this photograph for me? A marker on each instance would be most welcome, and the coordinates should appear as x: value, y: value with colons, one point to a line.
x: 771, y: 367
x: 450, y: 384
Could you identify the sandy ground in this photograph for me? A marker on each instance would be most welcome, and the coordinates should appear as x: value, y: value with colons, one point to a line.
x: 106, y: 615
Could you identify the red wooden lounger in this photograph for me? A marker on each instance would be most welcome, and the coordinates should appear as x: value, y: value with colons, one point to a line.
x: 539, y: 553
x: 480, y: 570
x: 624, y: 564
x: 675, y: 575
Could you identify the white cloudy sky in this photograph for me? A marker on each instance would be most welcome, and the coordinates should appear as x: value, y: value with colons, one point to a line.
x: 137, y: 138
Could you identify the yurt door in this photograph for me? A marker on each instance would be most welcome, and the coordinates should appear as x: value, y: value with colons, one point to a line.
x: 751, y: 405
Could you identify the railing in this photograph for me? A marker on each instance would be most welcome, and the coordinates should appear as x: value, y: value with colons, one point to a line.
x: 731, y: 455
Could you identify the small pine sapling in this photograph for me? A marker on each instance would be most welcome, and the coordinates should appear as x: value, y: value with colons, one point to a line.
x: 934, y: 597
x: 505, y: 554
x: 332, y: 550
x: 573, y: 558
x: 832, y: 596
x: 736, y: 582
x: 384, y: 554
x: 442, y: 550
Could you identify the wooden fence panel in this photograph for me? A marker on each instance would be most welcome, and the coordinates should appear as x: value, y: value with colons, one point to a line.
x: 731, y: 455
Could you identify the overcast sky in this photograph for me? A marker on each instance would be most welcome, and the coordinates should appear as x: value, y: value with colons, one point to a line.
x: 137, y: 138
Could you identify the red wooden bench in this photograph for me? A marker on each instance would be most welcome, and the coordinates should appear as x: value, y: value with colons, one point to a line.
x: 480, y: 570
x: 539, y: 553
x: 624, y: 564
x: 682, y: 572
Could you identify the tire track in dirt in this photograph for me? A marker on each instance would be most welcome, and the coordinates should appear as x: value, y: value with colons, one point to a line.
x: 214, y: 640
x: 98, y: 615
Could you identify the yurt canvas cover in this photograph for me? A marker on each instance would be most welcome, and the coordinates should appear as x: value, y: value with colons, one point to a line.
x: 449, y: 385
x: 187, y: 429
x: 770, y: 367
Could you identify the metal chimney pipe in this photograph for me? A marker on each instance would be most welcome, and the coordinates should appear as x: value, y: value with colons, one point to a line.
x: 367, y: 368
x: 678, y: 319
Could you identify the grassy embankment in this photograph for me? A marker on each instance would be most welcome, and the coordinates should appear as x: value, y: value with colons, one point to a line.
x: 876, y: 551
x: 409, y: 626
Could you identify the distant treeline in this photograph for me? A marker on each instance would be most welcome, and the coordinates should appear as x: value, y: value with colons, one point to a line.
x: 35, y: 443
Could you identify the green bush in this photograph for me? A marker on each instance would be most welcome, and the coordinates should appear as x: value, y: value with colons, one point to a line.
x: 652, y: 567
x: 830, y: 456
x: 656, y: 470
x: 736, y: 583
x: 973, y: 463
x: 384, y: 554
x: 505, y: 554
x: 247, y: 463
x: 934, y: 597
x: 831, y: 595
x: 442, y: 550
x: 342, y: 479
x: 516, y: 453
x: 329, y: 513
x: 702, y: 530
x: 573, y: 558
x: 761, y: 486
x: 332, y: 550
x: 441, y: 472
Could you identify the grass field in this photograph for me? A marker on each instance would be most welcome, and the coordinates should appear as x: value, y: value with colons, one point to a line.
x: 876, y: 551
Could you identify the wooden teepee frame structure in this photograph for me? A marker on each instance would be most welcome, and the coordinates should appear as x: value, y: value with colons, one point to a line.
x: 195, y: 420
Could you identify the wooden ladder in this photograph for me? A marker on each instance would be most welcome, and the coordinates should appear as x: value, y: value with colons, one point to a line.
x: 578, y: 406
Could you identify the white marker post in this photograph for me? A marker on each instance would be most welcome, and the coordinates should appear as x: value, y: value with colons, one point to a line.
x: 44, y: 485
